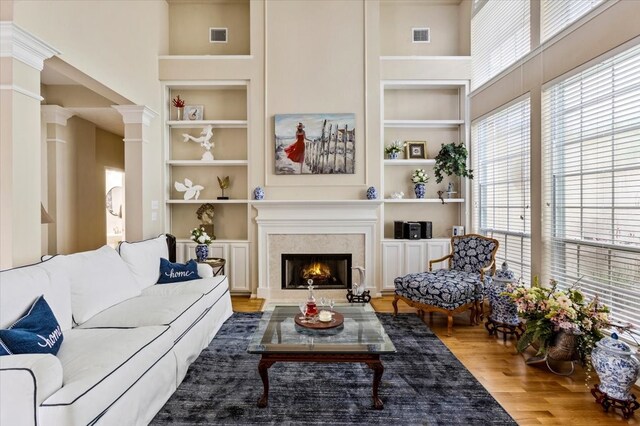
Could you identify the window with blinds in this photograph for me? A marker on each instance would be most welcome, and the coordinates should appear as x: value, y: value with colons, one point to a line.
x: 591, y: 132
x: 556, y: 15
x: 501, y: 148
x: 500, y: 35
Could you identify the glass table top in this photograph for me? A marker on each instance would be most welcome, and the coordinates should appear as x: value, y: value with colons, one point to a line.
x: 361, y: 333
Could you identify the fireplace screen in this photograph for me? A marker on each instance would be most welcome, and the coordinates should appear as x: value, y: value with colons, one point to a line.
x: 328, y: 271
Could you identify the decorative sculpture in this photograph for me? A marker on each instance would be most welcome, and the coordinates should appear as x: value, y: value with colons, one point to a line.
x: 190, y: 190
x: 224, y: 184
x: 204, y: 140
x: 205, y: 214
x: 359, y: 294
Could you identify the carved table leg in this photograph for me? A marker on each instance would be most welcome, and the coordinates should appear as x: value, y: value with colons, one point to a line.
x: 263, y: 368
x: 378, y: 369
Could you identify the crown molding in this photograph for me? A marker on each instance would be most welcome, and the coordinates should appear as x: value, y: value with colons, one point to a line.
x: 55, y: 114
x: 21, y: 45
x: 136, y: 114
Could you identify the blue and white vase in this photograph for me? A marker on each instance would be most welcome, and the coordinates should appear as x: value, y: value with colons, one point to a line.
x: 258, y: 193
x: 419, y: 188
x: 202, y: 252
x: 372, y: 193
x: 393, y: 155
x: 616, y: 366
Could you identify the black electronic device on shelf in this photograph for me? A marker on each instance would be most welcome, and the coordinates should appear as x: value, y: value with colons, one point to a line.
x: 426, y: 230
x: 403, y: 230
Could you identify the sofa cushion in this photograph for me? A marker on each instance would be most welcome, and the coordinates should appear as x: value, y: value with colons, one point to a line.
x: 143, y: 259
x: 36, y: 332
x: 99, y: 279
x: 177, y: 272
x: 178, y: 311
x: 20, y: 287
x: 101, y: 365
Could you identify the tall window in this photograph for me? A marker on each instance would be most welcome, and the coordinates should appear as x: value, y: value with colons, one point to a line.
x: 500, y: 35
x: 501, y: 147
x: 591, y: 133
x: 556, y: 15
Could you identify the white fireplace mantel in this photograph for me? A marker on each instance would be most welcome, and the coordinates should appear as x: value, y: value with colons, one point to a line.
x: 313, y: 217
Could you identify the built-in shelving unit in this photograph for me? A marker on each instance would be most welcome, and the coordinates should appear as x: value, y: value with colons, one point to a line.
x: 224, y: 106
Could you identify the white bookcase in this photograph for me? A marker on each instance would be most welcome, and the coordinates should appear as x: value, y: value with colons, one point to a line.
x: 402, y: 257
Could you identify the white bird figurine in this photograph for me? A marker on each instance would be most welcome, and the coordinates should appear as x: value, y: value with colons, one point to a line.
x: 189, y: 189
x: 359, y: 287
x: 204, y: 140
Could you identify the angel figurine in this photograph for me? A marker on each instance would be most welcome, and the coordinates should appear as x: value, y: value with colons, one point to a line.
x: 204, y: 140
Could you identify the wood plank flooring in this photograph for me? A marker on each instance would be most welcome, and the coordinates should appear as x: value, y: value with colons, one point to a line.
x: 531, y: 395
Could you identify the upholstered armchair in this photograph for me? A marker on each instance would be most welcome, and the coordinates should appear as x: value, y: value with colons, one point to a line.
x: 454, y: 290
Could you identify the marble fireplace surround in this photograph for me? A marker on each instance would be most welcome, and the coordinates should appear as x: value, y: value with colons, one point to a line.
x: 313, y: 227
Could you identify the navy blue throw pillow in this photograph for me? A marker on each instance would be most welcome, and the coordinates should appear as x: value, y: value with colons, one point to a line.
x: 36, y: 332
x: 177, y: 272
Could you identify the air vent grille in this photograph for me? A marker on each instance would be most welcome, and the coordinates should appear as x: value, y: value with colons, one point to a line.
x: 421, y: 35
x: 217, y: 35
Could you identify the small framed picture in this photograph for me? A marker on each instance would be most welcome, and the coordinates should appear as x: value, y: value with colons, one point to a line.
x: 416, y: 150
x: 193, y: 112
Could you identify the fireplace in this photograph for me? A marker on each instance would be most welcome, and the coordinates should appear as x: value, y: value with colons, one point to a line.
x: 328, y: 271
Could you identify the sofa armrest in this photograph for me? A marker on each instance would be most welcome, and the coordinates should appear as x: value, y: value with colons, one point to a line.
x: 26, y: 381
x: 204, y: 270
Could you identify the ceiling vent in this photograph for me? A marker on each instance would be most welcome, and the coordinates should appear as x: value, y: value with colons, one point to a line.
x: 421, y: 35
x: 217, y: 35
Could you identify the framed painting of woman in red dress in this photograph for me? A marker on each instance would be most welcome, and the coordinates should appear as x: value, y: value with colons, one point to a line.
x: 315, y: 144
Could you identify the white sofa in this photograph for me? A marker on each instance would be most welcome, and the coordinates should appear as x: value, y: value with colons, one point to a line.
x: 127, y: 342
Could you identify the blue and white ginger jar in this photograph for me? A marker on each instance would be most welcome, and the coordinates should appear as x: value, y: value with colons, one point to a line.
x: 503, y: 309
x: 202, y: 252
x: 420, y: 190
x: 258, y: 193
x: 372, y: 193
x: 616, y: 366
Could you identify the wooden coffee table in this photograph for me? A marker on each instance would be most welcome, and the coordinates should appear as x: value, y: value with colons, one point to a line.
x: 360, y: 339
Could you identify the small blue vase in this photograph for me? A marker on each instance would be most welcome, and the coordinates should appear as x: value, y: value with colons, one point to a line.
x: 202, y: 252
x: 258, y: 193
x: 393, y: 155
x: 419, y: 188
x: 372, y: 193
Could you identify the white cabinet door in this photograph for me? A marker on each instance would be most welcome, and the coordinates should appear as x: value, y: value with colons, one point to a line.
x: 238, y: 267
x: 392, y: 263
x: 437, y: 249
x: 415, y: 257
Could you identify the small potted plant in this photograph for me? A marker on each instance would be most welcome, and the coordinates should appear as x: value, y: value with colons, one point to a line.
x: 452, y: 160
x: 179, y: 105
x: 393, y: 149
x: 202, y: 239
x: 419, y: 178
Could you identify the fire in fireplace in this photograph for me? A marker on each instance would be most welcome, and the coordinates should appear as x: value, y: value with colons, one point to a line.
x: 328, y: 271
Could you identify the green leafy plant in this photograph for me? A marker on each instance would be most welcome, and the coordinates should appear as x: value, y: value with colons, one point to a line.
x: 452, y: 160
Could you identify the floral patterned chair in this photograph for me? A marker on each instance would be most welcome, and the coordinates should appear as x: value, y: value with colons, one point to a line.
x: 457, y: 289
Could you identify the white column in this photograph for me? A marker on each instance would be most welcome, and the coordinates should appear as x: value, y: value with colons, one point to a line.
x: 137, y: 119
x: 54, y: 118
x: 21, y: 61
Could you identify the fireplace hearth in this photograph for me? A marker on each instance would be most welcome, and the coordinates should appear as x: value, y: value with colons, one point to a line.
x: 328, y: 271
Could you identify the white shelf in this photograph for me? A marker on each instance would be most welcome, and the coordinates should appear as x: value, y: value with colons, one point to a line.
x: 218, y: 124
x: 201, y: 201
x: 417, y: 124
x: 200, y: 163
x: 410, y: 162
x: 424, y: 200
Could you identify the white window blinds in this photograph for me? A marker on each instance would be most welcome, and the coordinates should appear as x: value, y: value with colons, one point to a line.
x: 500, y: 35
x: 555, y: 15
x: 501, y: 148
x: 591, y: 132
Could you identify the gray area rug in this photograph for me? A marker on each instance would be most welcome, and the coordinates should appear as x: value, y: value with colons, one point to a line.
x: 423, y: 384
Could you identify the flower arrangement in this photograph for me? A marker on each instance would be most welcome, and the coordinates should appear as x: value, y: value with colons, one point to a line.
x: 199, y: 236
x: 177, y: 102
x: 394, y: 147
x: 419, y: 176
x: 548, y: 311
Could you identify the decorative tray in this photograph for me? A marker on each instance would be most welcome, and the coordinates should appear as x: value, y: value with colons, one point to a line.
x: 337, y: 320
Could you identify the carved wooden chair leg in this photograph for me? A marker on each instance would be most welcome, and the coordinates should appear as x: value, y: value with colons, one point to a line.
x: 395, y: 306
x: 472, y: 315
x: 449, y: 324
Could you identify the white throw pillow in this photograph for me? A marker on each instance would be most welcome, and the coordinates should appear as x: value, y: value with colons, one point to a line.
x: 143, y: 259
x: 99, y: 280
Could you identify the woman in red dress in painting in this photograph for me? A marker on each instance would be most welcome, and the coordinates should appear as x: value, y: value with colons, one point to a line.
x: 295, y: 151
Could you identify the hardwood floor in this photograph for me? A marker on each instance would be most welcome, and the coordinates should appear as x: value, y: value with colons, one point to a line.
x: 531, y: 395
